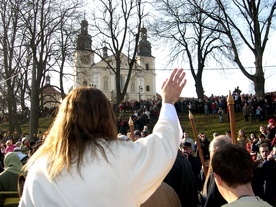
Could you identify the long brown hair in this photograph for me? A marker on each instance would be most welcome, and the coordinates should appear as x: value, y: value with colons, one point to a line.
x: 84, y: 116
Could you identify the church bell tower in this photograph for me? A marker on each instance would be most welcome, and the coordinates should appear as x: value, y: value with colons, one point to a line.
x: 83, y: 57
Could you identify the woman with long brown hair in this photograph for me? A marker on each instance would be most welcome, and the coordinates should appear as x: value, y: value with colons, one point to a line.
x: 82, y: 163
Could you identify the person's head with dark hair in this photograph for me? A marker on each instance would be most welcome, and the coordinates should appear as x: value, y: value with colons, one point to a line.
x: 264, y: 150
x: 233, y: 164
x: 261, y: 137
x: 233, y: 170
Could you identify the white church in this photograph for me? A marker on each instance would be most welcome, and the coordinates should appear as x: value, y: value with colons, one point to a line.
x: 142, y: 85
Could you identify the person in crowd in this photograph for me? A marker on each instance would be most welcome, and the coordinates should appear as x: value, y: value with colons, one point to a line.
x: 82, y: 150
x: 215, y: 134
x: 210, y: 193
x: 242, y: 138
x: 264, y: 150
x: 16, y: 137
x: 143, y: 134
x: 252, y: 114
x: 228, y: 133
x: 246, y: 112
x: 25, y: 145
x: 146, y: 130
x: 263, y: 130
x: 10, y: 146
x: 264, y: 179
x: 220, y: 113
x: 271, y: 129
x: 9, y: 178
x: 137, y: 134
x: 233, y: 168
x: 256, y: 145
x: 259, y: 112
x: 204, y: 143
x: 165, y: 195
x: 186, y: 138
x: 186, y: 149
x: 181, y: 178
x: 250, y: 146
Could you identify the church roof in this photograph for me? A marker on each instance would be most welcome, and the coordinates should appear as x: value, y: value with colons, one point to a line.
x: 49, y: 90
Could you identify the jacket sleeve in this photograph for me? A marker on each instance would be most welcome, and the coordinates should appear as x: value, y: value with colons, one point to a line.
x: 152, y: 157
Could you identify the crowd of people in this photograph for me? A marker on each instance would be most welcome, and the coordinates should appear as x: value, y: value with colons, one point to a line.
x: 91, y: 150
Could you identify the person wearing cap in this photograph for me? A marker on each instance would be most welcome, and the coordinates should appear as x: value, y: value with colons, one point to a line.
x: 186, y: 149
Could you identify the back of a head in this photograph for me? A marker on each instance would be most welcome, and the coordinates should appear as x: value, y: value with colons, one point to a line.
x: 12, y: 162
x: 86, y: 112
x: 233, y: 164
x: 218, y: 142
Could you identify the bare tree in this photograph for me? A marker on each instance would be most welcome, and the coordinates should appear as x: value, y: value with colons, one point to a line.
x: 117, y: 24
x: 12, y: 58
x: 247, y: 24
x: 42, y: 20
x: 182, y: 28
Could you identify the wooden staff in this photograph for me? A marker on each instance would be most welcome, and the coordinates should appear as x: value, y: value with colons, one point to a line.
x: 191, y: 117
x: 230, y: 103
x: 131, y: 127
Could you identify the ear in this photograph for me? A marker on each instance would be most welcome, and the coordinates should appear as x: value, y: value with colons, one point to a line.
x: 218, y: 179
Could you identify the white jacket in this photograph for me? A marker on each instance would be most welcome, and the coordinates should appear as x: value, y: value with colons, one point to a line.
x: 135, y: 170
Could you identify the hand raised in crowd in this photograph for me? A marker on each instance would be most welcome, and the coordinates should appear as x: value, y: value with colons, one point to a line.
x: 172, y: 87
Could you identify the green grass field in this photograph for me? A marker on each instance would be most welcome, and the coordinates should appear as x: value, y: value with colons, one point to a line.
x: 203, y: 123
x: 210, y: 124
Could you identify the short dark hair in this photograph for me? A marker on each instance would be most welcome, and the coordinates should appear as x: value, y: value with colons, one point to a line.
x: 262, y: 136
x: 233, y: 164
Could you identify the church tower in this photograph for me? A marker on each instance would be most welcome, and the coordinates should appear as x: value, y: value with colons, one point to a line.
x: 146, y: 78
x: 83, y: 58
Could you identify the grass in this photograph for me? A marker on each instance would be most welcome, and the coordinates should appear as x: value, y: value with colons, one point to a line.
x: 44, y: 123
x: 203, y: 123
x: 210, y: 124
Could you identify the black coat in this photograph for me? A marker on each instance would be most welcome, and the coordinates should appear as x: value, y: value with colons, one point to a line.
x: 181, y: 178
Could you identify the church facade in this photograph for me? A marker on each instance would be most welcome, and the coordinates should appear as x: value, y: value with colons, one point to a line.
x: 87, y: 72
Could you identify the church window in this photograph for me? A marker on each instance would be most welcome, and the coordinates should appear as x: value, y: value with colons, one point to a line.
x: 105, y: 87
x: 147, y: 66
x: 147, y: 88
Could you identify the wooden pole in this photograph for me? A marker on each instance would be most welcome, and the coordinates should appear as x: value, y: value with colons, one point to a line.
x: 191, y: 117
x: 230, y: 103
x: 131, y: 128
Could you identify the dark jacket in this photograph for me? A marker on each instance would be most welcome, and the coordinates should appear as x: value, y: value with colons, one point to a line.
x: 214, y: 198
x: 181, y: 178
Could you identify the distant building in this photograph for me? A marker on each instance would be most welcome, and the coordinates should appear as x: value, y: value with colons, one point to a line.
x: 51, y: 96
x: 142, y: 83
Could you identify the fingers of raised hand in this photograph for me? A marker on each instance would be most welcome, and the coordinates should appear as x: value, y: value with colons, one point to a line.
x: 177, y: 78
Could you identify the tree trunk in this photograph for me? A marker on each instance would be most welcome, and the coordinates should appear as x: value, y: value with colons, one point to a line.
x: 34, y: 114
x: 199, y: 88
x: 259, y: 81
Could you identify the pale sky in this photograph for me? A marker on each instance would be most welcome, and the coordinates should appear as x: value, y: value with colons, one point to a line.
x: 219, y: 82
